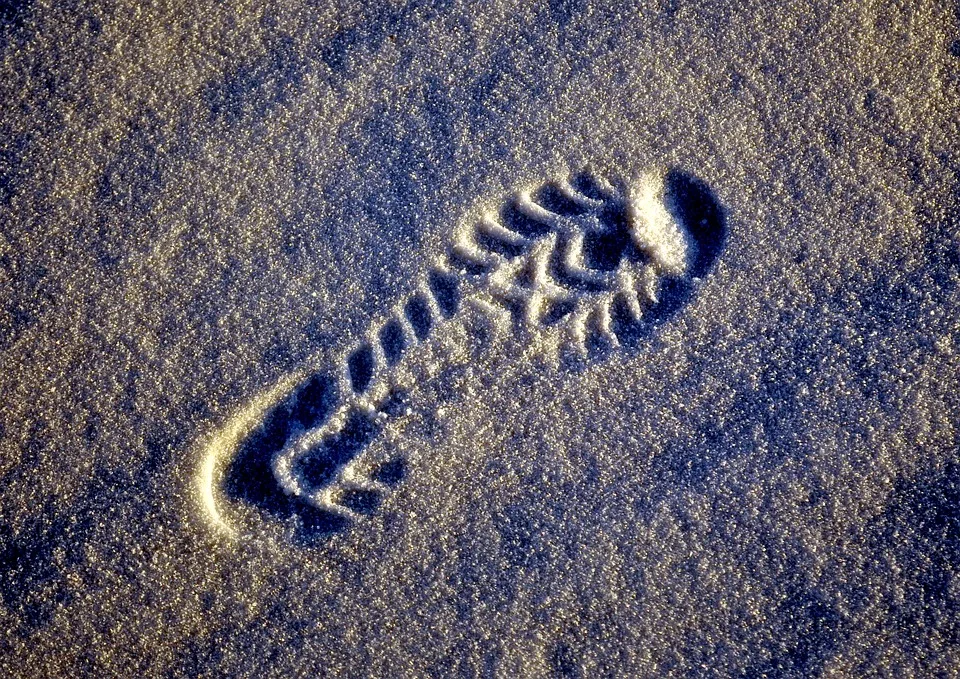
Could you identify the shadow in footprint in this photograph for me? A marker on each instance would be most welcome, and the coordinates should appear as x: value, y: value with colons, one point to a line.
x: 693, y: 204
x: 249, y: 477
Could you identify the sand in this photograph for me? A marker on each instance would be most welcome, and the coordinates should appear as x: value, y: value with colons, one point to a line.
x: 215, y: 213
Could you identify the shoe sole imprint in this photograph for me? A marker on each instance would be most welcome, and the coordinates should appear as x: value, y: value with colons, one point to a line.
x: 599, y: 262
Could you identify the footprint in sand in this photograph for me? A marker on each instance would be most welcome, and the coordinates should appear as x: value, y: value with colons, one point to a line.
x: 593, y: 263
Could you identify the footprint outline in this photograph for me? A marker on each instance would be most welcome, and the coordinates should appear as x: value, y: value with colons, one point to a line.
x: 632, y: 287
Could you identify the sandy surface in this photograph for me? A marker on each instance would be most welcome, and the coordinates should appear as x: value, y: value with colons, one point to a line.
x: 202, y: 206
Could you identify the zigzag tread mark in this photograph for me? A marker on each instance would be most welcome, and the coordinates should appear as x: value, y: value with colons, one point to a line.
x: 439, y: 299
x: 554, y: 256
